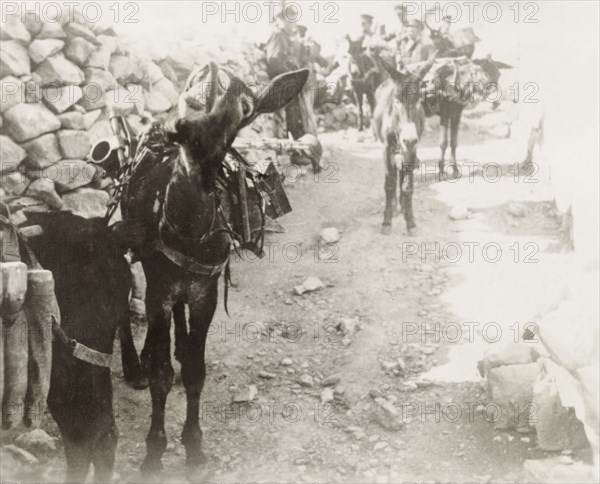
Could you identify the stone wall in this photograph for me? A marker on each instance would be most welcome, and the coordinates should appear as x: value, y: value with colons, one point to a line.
x: 58, y: 81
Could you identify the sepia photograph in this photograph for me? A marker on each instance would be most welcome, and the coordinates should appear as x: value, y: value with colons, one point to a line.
x: 283, y: 242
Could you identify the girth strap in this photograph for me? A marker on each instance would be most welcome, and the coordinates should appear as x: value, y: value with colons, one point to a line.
x: 80, y: 351
x: 188, y: 263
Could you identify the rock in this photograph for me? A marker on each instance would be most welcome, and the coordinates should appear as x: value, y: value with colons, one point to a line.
x: 557, y: 427
x: 152, y: 73
x: 511, y: 389
x: 70, y: 174
x: 168, y: 71
x: 86, y: 202
x: 306, y: 381
x: 59, y: 99
x: 156, y: 102
x: 309, y: 285
x: 389, y: 365
x: 74, y: 143
x: 51, y: 30
x: 459, y: 212
x: 100, y: 130
x: 59, y: 71
x: 247, y: 394
x: 40, y: 49
x: 101, y: 79
x: 286, y: 362
x: 387, y: 415
x: 14, y: 59
x: 167, y: 89
x: 14, y: 183
x: 14, y: 29
x: 38, y: 442
x: 99, y: 58
x: 508, y: 353
x: 11, y: 92
x: 181, y: 62
x: 94, y: 98
x: 27, y: 121
x: 108, y: 42
x: 329, y: 235
x: 11, y: 154
x: 266, y: 375
x: 78, y: 50
x: 42, y: 152
x: 43, y: 189
x: 516, y: 209
x: 327, y: 395
x: 331, y: 380
x: 90, y: 118
x: 76, y: 30
x: 120, y: 67
x: 348, y: 326
x: 71, y: 120
x: 32, y: 90
x: 136, y: 98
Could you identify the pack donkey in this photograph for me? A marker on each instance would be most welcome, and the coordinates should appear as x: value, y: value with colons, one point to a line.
x: 398, y: 122
x: 365, y: 76
x: 194, y: 241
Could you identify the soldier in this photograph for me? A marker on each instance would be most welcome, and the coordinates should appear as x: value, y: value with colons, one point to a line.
x: 412, y: 49
x: 282, y: 56
x: 366, y: 27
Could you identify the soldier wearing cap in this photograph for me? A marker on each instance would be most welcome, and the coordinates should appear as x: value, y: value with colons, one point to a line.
x: 411, y: 48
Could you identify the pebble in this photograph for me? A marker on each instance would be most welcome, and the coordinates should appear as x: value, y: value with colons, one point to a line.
x: 331, y: 380
x: 306, y: 381
x: 266, y: 375
x: 327, y: 395
x: 246, y: 395
x: 286, y: 362
x: 329, y: 235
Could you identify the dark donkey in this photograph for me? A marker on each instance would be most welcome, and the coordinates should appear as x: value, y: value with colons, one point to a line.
x: 398, y: 123
x: 365, y: 76
x: 194, y: 241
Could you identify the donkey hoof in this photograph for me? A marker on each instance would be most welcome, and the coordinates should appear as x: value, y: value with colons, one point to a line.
x: 411, y: 231
x: 195, y: 460
x: 139, y: 383
x: 151, y: 466
x: 386, y: 229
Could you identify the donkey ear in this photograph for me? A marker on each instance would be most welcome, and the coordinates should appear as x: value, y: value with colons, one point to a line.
x: 178, y: 131
x: 281, y: 90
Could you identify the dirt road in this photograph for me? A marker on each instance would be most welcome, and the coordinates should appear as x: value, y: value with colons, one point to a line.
x: 363, y: 335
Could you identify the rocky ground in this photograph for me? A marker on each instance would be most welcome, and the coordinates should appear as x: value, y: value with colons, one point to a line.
x: 335, y: 384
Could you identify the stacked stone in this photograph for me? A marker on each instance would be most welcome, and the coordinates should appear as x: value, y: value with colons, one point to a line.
x: 524, y: 395
x: 58, y: 81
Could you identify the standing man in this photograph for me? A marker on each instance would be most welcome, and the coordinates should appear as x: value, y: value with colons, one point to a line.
x: 411, y: 48
x: 282, y: 56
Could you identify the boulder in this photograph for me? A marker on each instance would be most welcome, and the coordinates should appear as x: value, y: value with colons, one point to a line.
x: 14, y: 183
x: 156, y: 102
x: 74, y: 143
x: 58, y: 70
x: 99, y: 58
x: 89, y: 118
x: 108, y: 42
x: 78, y: 50
x: 40, y: 49
x: 38, y: 442
x: 14, y: 59
x: 32, y: 24
x: 557, y: 427
x: 77, y: 30
x: 511, y: 389
x: 42, y: 152
x: 51, y: 30
x: 28, y: 121
x: 32, y: 90
x: 69, y: 175
x: 120, y: 67
x: 136, y: 98
x: 11, y: 154
x: 100, y: 130
x: 43, y: 189
x: 11, y: 92
x: 94, y: 97
x: 71, y: 120
x: 507, y: 353
x: 152, y: 73
x: 99, y: 78
x: 86, y: 202
x: 167, y: 89
x: 14, y: 29
x: 59, y: 99
x: 387, y: 415
x: 180, y: 61
x: 119, y: 100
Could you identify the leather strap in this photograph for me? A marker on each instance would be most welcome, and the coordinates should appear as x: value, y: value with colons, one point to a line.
x: 188, y: 263
x: 83, y: 353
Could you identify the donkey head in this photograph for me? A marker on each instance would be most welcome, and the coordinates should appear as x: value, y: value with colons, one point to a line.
x: 407, y: 120
x: 216, y: 104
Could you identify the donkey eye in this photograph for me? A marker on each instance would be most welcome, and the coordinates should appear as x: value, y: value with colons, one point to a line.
x: 246, y: 107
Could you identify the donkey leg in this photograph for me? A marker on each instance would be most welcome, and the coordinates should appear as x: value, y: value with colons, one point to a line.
x: 193, y: 370
x: 443, y: 144
x: 358, y: 95
x: 391, y: 177
x: 407, y: 175
x: 132, y: 370
x: 157, y: 346
x: 180, y: 329
x: 454, y: 127
x: 104, y: 453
